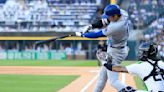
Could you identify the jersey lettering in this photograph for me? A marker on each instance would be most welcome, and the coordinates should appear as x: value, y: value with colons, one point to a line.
x: 157, y: 73
x: 158, y: 77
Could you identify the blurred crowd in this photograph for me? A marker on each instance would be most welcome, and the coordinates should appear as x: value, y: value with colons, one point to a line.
x: 147, y: 15
x: 69, y: 47
x: 19, y: 10
x: 14, y: 12
x: 143, y: 12
x: 40, y: 15
x: 70, y: 15
x: 155, y: 33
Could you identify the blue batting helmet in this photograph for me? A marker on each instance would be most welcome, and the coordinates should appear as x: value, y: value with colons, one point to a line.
x: 111, y: 10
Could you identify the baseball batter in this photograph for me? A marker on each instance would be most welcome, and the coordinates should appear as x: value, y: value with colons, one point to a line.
x: 116, y: 23
x: 151, y: 70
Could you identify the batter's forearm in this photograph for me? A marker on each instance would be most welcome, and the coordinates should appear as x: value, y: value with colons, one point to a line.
x: 94, y: 34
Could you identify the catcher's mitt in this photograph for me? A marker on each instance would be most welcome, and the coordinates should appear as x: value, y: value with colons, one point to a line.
x: 103, y: 56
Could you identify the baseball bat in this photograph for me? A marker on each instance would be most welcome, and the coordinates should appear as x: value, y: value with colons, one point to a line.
x: 52, y: 39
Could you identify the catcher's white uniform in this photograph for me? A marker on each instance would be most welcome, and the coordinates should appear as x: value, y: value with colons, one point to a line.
x: 154, y: 82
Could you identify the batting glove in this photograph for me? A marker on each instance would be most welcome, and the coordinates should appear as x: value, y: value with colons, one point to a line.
x: 78, y: 34
x: 86, y: 29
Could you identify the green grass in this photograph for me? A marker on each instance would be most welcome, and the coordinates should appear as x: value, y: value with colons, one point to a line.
x: 47, y: 63
x: 125, y: 63
x: 139, y: 83
x: 80, y: 63
x: 52, y: 63
x: 33, y: 83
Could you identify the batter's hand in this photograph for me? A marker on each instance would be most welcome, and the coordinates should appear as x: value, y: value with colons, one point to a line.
x: 86, y: 29
x: 78, y: 34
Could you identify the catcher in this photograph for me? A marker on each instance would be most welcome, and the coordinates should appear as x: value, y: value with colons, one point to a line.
x: 150, y: 70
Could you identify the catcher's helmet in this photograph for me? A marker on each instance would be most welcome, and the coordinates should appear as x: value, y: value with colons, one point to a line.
x: 111, y: 10
x: 147, y: 50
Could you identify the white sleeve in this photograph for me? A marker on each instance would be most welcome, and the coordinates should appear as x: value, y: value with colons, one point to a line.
x: 161, y: 64
x: 133, y: 68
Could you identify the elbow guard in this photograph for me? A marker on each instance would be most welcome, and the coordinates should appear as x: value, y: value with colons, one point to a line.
x: 97, y: 24
x: 100, y: 23
x: 105, y: 22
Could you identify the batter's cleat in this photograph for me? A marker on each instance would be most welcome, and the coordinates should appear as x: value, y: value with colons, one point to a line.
x: 128, y: 89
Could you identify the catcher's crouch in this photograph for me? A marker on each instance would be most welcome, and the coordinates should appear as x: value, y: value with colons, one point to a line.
x: 150, y: 70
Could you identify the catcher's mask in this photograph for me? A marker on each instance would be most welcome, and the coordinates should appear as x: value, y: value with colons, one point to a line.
x: 147, y: 50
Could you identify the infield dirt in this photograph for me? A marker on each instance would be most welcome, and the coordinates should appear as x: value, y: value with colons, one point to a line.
x: 85, y: 83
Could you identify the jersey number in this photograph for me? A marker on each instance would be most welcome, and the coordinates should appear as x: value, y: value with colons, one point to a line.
x: 156, y: 77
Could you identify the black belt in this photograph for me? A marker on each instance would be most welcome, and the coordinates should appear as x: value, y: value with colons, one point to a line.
x: 121, y: 47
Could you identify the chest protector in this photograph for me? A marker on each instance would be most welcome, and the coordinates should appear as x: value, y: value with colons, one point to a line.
x: 157, y: 71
